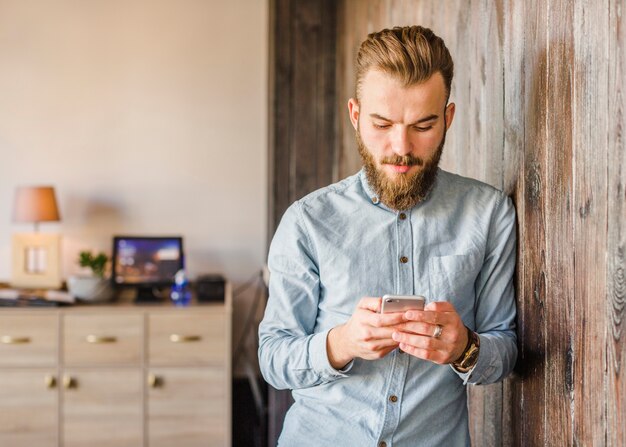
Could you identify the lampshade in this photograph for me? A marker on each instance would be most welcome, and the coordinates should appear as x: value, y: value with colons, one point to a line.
x: 35, y: 204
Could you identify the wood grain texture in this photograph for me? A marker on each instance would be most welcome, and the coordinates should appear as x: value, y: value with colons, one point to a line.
x: 187, y: 408
x: 104, y: 408
x: 514, y: 23
x: 205, y: 348
x: 531, y: 217
x: 616, y: 229
x: 589, y: 144
x: 124, y: 330
x: 280, y: 122
x: 28, y: 408
x: 559, y: 192
x: 40, y: 330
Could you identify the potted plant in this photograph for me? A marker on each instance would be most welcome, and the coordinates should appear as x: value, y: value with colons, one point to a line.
x: 93, y: 286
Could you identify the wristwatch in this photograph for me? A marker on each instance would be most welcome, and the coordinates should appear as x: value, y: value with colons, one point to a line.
x: 468, y: 359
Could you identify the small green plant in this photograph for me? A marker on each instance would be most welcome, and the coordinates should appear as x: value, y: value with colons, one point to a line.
x: 96, y: 263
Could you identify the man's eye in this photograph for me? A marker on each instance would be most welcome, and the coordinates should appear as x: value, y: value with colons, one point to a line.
x: 422, y: 129
x: 382, y: 126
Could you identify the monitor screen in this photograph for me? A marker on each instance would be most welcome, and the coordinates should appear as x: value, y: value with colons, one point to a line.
x: 146, y: 261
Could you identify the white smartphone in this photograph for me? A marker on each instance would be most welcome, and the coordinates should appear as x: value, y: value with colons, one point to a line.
x: 402, y: 303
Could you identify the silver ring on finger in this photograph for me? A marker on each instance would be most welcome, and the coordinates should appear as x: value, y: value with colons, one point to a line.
x: 438, y: 331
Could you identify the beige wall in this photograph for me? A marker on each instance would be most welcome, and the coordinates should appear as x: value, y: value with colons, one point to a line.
x: 148, y: 116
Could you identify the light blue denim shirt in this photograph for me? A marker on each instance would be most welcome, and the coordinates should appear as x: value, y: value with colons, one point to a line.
x: 339, y: 244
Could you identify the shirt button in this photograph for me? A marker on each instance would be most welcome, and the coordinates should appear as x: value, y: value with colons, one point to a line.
x: 404, y: 259
x: 393, y: 398
x: 382, y: 444
x: 402, y: 216
x: 374, y: 200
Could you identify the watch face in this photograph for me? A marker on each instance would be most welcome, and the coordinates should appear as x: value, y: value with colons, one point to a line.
x: 472, y: 356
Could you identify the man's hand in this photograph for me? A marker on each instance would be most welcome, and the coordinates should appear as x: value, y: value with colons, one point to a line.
x: 416, y: 335
x: 367, y: 334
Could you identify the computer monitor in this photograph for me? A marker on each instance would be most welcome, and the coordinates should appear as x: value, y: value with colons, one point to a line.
x: 146, y: 263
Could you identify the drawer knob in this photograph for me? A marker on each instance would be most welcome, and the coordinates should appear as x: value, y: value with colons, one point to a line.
x: 100, y: 339
x: 69, y: 382
x: 177, y: 338
x: 50, y: 381
x: 11, y: 340
x: 154, y: 381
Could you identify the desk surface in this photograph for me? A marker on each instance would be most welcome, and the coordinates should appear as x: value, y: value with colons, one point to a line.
x: 125, y: 299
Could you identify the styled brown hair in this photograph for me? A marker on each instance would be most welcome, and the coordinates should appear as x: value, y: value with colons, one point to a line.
x: 410, y: 53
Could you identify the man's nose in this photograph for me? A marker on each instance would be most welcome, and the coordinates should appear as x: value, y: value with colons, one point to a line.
x: 400, y: 141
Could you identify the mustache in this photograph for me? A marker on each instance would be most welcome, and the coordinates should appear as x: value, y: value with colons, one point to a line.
x: 402, y: 160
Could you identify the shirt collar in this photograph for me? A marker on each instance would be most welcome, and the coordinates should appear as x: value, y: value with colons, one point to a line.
x: 369, y: 191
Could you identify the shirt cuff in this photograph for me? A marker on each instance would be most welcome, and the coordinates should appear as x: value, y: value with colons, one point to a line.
x: 484, y: 365
x: 319, y: 358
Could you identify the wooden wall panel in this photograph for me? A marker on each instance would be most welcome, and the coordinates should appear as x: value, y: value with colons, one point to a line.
x: 589, y: 211
x: 531, y: 223
x: 558, y: 199
x: 514, y: 24
x: 616, y: 233
x: 303, y: 100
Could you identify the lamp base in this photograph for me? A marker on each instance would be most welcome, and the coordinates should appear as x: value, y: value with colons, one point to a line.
x: 36, y: 261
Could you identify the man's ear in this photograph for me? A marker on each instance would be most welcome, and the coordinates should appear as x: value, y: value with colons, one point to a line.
x: 450, y: 109
x: 353, y: 109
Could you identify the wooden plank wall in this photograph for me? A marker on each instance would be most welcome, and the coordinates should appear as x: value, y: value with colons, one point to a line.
x: 540, y: 114
x: 616, y: 233
x: 302, y: 93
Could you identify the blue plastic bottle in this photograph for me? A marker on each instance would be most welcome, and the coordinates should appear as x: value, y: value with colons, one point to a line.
x: 180, y: 295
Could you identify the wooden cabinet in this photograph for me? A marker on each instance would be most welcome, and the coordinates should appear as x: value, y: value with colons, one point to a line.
x: 186, y: 369
x: 116, y: 375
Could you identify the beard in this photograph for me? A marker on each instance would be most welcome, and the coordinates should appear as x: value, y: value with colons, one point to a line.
x: 403, y: 191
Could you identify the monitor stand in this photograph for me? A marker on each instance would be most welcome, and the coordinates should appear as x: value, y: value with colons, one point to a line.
x: 146, y: 295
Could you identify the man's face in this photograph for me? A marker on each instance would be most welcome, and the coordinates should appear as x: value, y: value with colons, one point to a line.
x: 400, y: 133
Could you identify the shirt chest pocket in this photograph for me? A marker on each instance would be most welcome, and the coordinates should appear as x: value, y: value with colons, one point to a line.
x: 452, y: 277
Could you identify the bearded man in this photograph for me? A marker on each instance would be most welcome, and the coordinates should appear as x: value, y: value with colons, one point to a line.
x: 400, y: 226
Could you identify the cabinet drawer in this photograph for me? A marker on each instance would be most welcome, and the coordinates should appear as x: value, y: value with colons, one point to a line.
x: 115, y: 339
x: 28, y: 340
x: 187, y: 339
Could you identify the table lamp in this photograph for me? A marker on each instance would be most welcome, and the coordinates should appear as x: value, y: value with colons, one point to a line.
x: 36, y: 256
